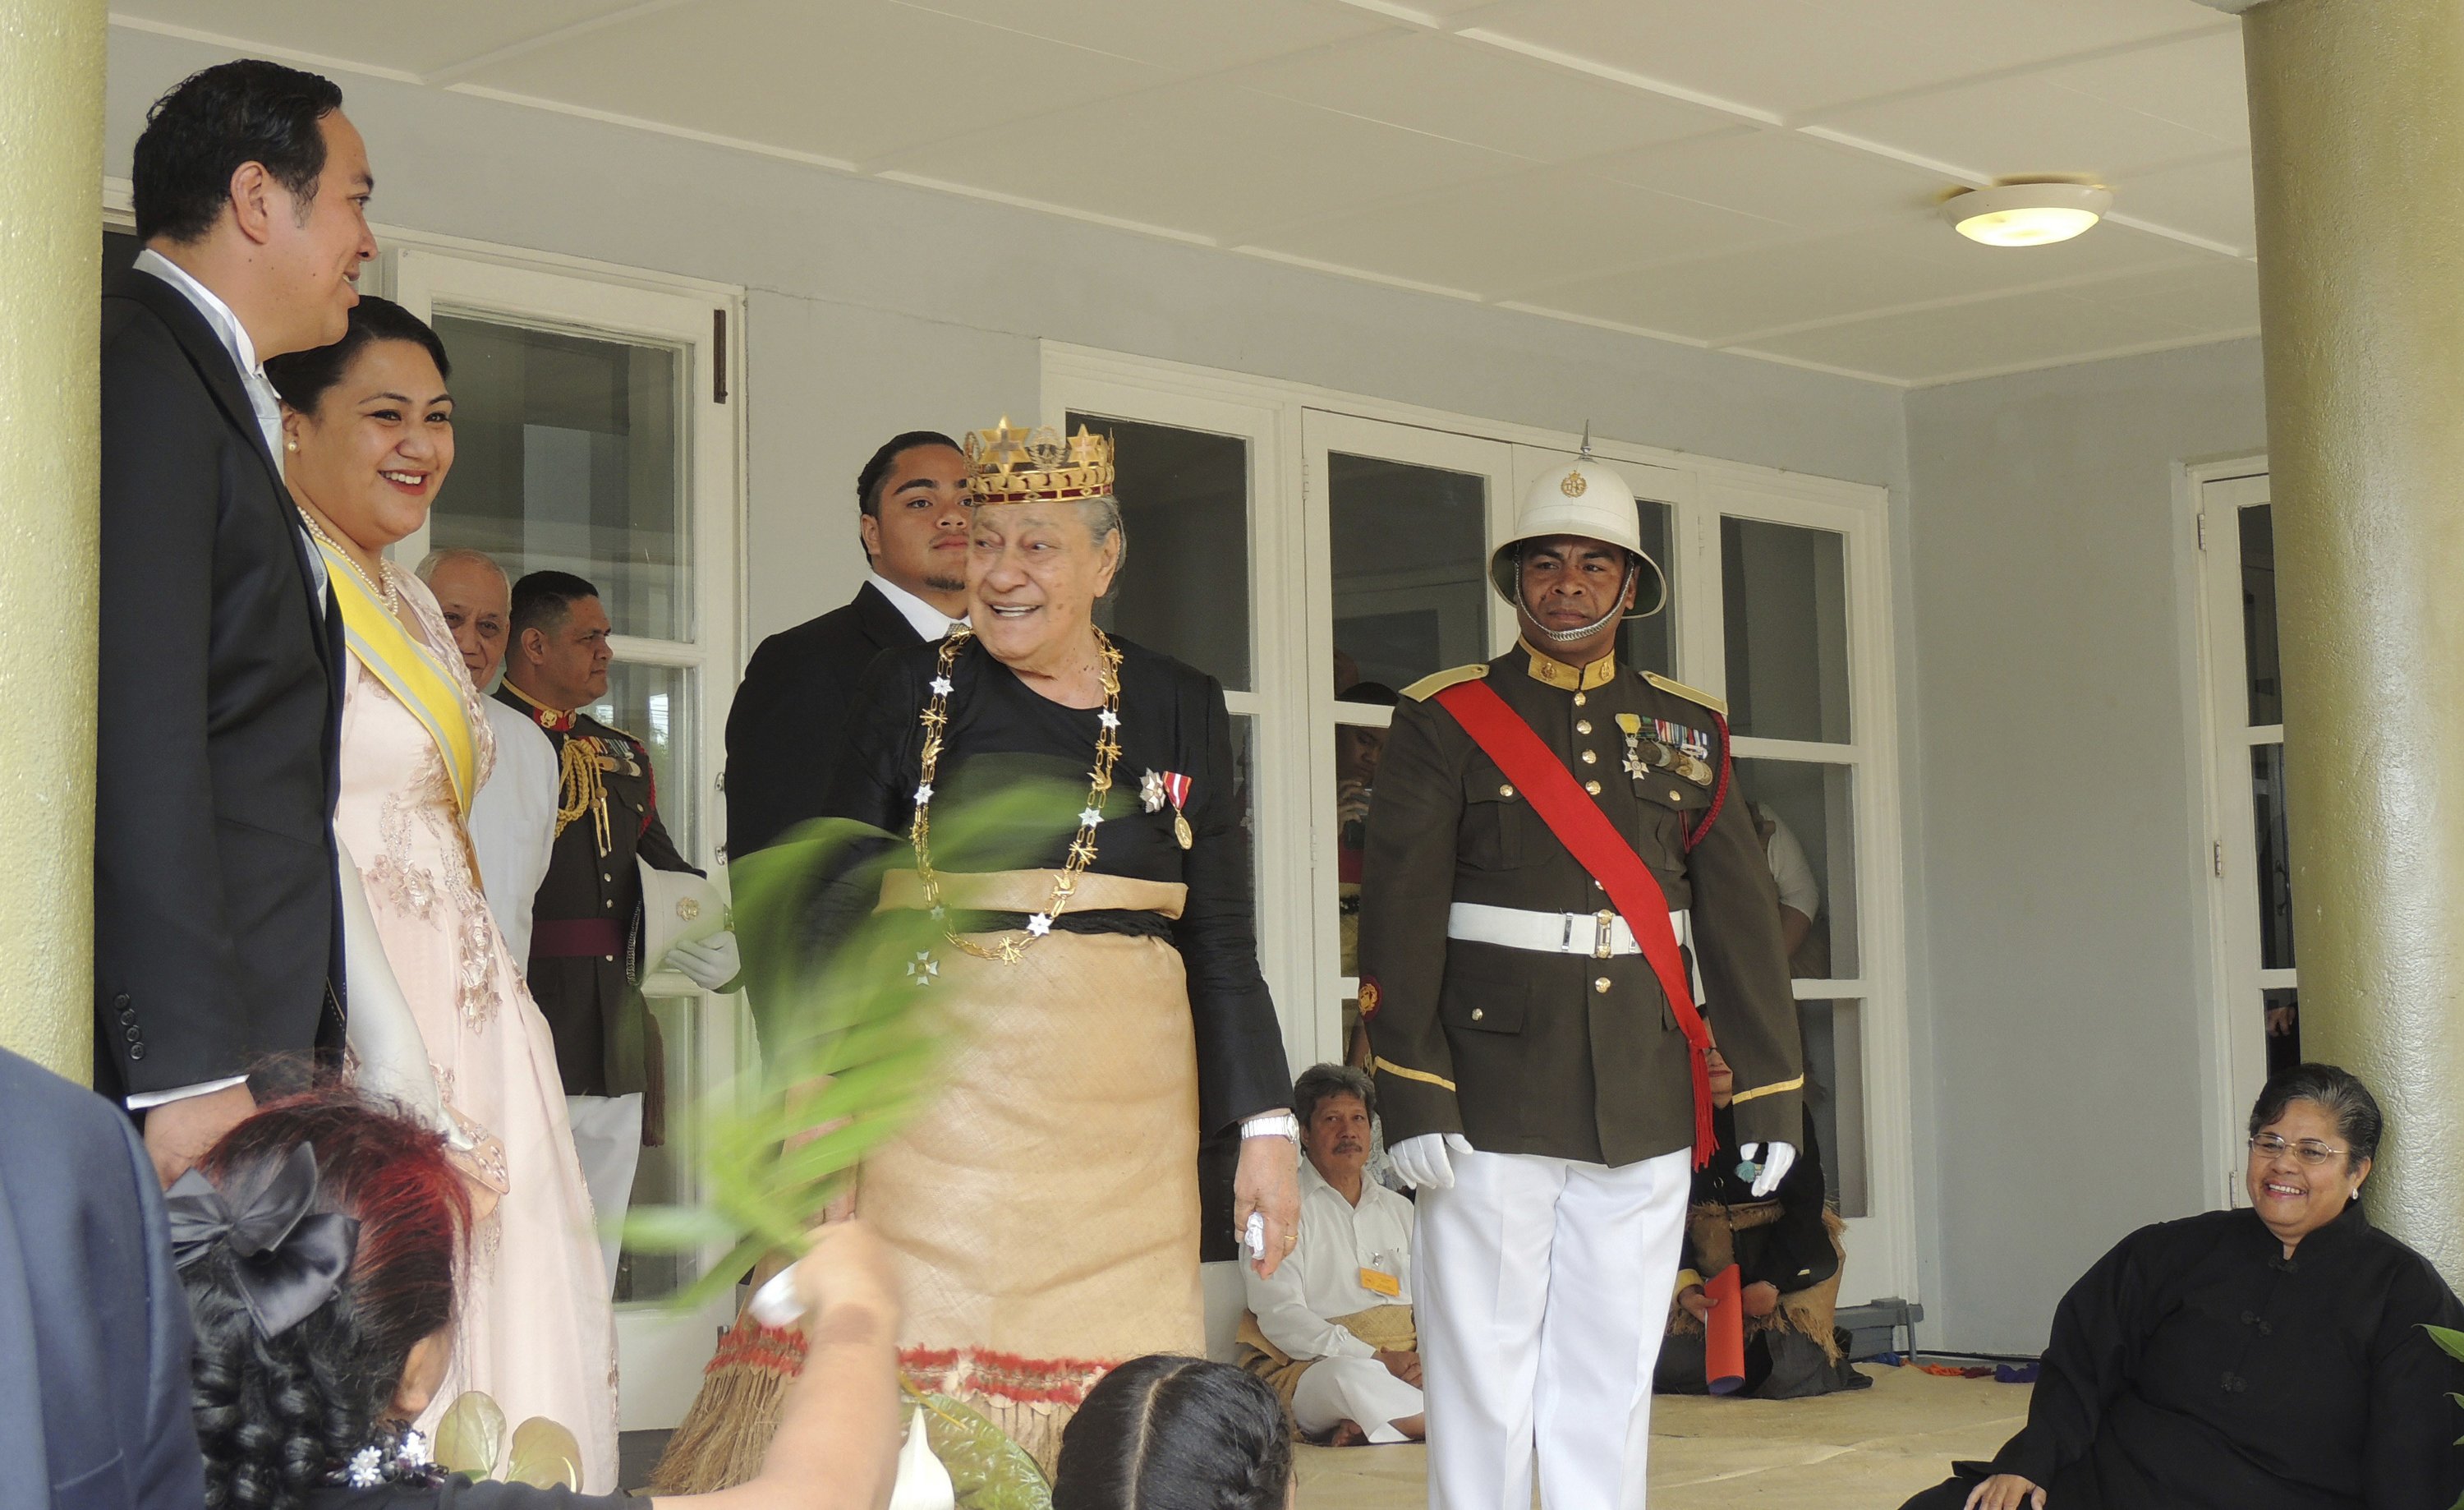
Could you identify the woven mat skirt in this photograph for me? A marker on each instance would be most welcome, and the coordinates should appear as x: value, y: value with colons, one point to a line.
x: 1044, y: 1210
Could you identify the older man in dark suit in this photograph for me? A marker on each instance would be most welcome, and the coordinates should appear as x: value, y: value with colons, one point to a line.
x: 787, y: 729
x: 94, y: 1327
x: 217, y: 933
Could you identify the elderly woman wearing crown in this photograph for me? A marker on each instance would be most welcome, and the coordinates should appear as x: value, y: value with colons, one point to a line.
x: 1107, y: 1003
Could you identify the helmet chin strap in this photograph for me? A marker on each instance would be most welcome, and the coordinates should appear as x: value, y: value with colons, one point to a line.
x: 1568, y: 637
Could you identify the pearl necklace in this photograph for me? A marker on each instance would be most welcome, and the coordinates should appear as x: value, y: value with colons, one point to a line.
x: 936, y: 717
x: 387, y: 593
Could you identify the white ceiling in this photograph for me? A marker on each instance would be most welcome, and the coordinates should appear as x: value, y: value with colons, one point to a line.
x: 1753, y: 175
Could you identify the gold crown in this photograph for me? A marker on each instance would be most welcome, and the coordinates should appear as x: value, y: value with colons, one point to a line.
x: 1011, y: 465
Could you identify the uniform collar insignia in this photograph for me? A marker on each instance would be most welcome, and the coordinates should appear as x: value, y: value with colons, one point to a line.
x: 1569, y: 678
x: 557, y: 720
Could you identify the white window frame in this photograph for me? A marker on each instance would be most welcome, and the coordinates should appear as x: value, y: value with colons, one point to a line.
x: 2233, y: 1036
x: 1291, y: 627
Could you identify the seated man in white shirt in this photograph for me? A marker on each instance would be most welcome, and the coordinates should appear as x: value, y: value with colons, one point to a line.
x: 1332, y: 1330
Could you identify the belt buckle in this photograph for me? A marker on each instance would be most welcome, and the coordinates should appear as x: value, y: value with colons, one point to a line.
x: 1604, y: 933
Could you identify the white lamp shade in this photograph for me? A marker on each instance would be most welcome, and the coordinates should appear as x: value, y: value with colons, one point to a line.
x: 2027, y: 214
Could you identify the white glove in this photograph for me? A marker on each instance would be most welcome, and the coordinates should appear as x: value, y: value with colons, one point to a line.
x: 708, y: 963
x: 383, y: 1034
x: 1777, y: 1160
x: 1424, y: 1163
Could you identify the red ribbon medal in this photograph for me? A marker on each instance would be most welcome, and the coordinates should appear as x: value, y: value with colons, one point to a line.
x: 1175, y: 786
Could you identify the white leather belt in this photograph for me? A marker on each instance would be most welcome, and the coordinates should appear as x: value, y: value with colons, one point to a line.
x: 1602, y: 935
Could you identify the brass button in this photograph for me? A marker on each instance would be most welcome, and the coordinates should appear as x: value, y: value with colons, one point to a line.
x: 1590, y: 759
x: 1580, y: 699
x: 1477, y: 1015
x: 1506, y: 791
x: 1674, y: 795
x: 1591, y: 787
x: 1582, y: 725
x: 1602, y: 984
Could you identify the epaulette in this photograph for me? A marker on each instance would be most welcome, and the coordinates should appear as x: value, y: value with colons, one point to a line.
x: 1429, y: 686
x: 1675, y: 688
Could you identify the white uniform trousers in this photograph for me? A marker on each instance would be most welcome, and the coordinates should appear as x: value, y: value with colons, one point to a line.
x: 608, y: 1139
x: 1360, y: 1391
x: 1543, y: 1290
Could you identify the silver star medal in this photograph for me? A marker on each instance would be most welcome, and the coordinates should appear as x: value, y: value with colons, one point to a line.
x: 924, y: 970
x: 1150, y: 791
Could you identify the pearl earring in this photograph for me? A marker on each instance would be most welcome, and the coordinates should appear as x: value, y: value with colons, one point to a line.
x: 291, y: 445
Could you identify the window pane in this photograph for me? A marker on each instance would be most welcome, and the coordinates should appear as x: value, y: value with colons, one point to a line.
x: 655, y: 706
x: 2274, y: 860
x: 570, y: 455
x: 2259, y: 616
x: 1806, y: 814
x: 1835, y: 1093
x: 2282, y: 1005
x: 1410, y: 560
x: 1650, y: 643
x: 667, y: 1174
x: 1357, y: 750
x: 1184, y: 587
x: 1787, y: 622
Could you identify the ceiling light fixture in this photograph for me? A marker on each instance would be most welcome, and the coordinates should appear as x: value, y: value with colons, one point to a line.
x: 2027, y: 214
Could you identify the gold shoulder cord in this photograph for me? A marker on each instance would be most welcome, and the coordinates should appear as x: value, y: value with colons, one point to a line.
x: 936, y: 719
x: 580, y: 787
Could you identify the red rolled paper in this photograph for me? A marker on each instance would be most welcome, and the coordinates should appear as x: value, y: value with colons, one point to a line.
x: 1724, y: 1350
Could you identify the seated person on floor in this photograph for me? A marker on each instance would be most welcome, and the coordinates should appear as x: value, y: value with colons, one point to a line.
x: 2264, y: 1359
x: 320, y: 1245
x: 1161, y: 1433
x: 1789, y: 1258
x: 1332, y: 1330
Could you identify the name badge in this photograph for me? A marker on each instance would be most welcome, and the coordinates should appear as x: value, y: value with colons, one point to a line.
x: 1376, y: 1284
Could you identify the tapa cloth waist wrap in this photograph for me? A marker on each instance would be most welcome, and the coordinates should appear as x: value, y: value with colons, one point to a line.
x: 1389, y: 1328
x: 1044, y: 1210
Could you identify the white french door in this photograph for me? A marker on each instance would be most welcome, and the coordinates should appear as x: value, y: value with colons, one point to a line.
x: 593, y: 436
x: 2256, y: 1026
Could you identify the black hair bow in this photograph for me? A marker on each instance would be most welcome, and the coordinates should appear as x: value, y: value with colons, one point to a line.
x: 289, y: 1260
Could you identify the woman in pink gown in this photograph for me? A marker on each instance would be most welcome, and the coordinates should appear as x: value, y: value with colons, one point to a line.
x: 367, y: 438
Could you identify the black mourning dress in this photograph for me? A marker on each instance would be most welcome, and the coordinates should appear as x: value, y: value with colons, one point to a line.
x: 2196, y: 1367
x: 1046, y: 1208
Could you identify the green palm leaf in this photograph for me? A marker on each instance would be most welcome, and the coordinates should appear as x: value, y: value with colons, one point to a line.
x: 850, y: 1040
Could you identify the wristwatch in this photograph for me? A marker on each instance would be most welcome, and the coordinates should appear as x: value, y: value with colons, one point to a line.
x: 1272, y: 1124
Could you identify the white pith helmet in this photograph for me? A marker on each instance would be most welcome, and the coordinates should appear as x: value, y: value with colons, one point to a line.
x: 1583, y: 498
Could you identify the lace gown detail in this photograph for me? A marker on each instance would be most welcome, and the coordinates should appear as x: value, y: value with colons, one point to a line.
x: 535, y: 1329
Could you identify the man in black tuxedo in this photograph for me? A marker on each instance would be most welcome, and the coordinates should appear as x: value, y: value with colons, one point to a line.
x: 217, y: 919
x: 788, y: 726
x: 94, y: 1327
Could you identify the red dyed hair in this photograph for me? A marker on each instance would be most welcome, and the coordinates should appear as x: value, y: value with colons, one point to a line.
x: 393, y: 1174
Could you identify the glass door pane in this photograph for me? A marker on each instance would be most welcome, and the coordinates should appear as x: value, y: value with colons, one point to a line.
x: 1805, y: 813
x: 1184, y: 585
x: 1785, y: 608
x: 570, y: 454
x: 2255, y: 534
x: 1409, y: 557
x: 1650, y: 644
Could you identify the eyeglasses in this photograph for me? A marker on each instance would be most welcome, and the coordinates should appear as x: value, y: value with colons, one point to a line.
x: 2309, y: 1150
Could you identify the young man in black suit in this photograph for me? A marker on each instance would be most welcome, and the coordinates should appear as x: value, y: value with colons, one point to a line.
x: 787, y: 728
x: 217, y: 927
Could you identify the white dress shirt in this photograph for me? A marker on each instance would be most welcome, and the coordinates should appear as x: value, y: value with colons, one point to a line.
x: 513, y: 823
x: 267, y: 406
x: 929, y: 621
x: 1798, y: 888
x: 1321, y: 1277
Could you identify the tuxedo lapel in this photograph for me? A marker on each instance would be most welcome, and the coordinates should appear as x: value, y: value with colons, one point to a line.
x: 221, y: 376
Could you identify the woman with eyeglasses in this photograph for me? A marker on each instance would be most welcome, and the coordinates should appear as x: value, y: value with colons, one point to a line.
x: 2271, y: 1358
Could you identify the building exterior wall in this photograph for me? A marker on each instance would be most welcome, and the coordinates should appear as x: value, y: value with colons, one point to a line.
x: 2060, y: 816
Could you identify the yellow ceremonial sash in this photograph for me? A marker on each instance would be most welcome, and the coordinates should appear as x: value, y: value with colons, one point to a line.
x: 408, y: 671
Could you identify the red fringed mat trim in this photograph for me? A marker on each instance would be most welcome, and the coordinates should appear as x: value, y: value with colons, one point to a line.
x: 1004, y: 1376
x: 774, y: 1349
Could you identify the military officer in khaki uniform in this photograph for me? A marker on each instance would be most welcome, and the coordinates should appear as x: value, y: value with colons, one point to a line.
x: 1537, y: 1081
x: 581, y: 968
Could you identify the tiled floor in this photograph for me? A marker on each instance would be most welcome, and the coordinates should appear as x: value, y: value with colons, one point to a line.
x: 1866, y: 1451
